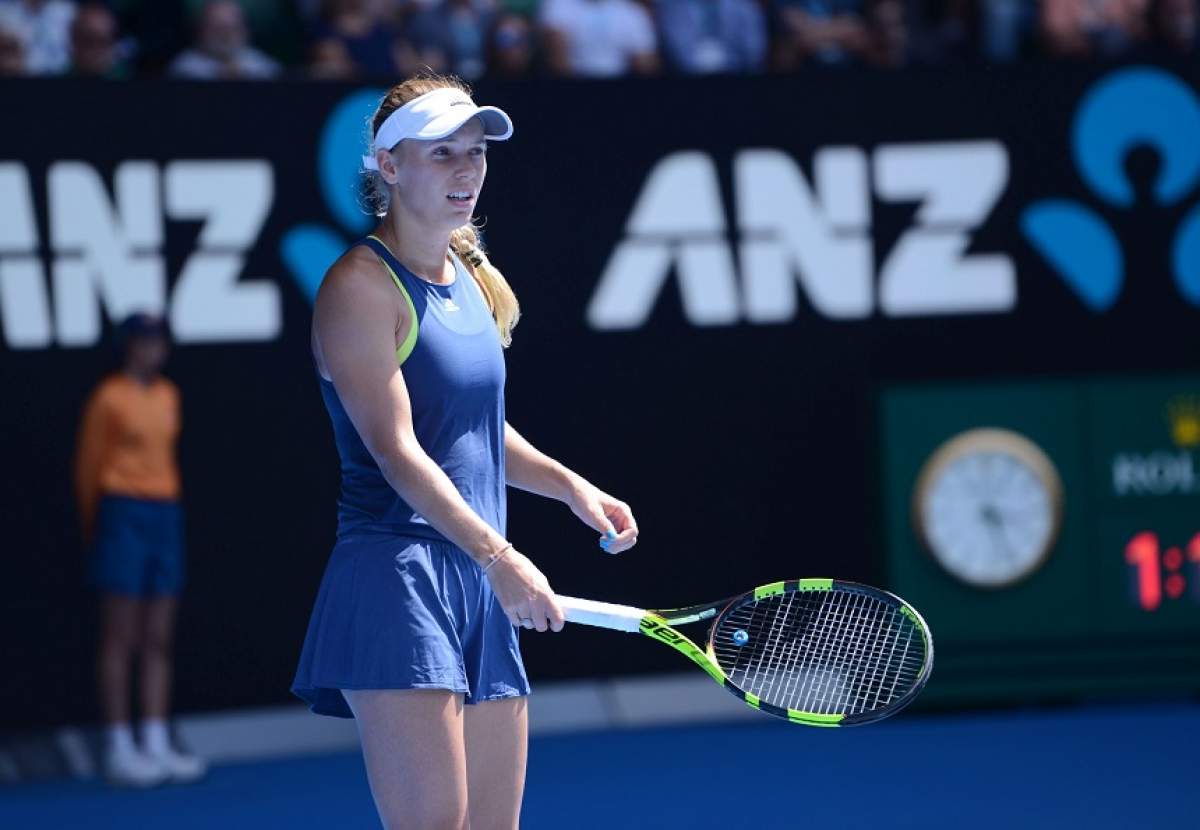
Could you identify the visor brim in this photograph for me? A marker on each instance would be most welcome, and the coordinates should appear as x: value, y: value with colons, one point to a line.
x: 497, y: 126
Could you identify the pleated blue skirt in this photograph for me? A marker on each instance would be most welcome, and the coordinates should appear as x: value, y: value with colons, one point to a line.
x: 403, y: 613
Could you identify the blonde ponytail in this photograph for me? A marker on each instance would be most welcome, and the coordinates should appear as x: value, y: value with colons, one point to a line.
x: 464, y: 242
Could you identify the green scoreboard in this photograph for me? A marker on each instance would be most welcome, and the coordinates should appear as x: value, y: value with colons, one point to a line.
x: 1049, y: 531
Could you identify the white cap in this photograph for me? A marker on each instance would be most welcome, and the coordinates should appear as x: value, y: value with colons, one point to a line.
x: 435, y: 115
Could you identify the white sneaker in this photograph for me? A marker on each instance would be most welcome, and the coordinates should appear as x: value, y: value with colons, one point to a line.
x: 130, y: 768
x: 180, y: 767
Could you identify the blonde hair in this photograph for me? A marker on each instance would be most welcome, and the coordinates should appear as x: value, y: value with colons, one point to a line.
x: 464, y: 241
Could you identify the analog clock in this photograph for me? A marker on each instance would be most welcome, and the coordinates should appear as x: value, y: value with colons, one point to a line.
x: 987, y: 506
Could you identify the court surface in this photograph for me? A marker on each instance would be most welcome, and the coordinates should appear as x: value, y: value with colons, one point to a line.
x: 1094, y: 768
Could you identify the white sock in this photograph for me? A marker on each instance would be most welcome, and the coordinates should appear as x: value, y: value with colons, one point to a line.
x: 120, y: 739
x: 155, y: 738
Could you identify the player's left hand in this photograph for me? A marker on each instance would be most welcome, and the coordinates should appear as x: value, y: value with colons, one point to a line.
x: 610, y: 516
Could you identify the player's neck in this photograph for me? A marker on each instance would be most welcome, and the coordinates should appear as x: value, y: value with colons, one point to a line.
x: 420, y: 250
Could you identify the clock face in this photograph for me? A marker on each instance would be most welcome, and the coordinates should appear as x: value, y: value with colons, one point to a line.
x: 987, y: 507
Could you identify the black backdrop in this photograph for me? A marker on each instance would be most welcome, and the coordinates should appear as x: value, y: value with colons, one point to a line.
x: 747, y: 451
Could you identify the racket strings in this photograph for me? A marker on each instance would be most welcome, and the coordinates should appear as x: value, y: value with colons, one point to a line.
x: 822, y: 652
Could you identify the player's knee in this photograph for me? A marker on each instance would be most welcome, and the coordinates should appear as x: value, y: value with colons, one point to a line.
x: 429, y: 814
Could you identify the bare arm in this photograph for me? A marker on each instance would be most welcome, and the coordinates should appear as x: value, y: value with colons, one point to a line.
x: 645, y: 63
x: 558, y: 51
x: 89, y: 452
x: 643, y: 58
x: 356, y: 320
x: 531, y: 470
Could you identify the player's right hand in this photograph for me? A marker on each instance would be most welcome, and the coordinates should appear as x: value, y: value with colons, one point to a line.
x: 524, y: 593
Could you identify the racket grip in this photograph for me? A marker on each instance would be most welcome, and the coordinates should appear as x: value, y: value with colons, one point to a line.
x: 601, y: 614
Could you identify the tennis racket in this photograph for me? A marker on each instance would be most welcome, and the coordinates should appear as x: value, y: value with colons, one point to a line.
x: 821, y: 652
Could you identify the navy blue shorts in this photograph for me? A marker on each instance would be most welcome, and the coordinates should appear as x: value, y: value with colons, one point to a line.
x: 401, y: 613
x: 138, y: 549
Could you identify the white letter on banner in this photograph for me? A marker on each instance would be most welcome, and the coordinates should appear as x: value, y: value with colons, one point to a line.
x: 116, y: 260
x: 18, y: 231
x: 787, y: 232
x: 957, y: 185
x: 233, y: 199
x: 677, y: 222
x: 24, y: 302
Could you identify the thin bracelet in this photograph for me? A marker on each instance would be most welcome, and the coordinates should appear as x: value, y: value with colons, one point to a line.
x: 497, y: 556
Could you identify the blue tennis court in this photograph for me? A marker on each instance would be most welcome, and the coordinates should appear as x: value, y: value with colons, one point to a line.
x: 1097, y: 767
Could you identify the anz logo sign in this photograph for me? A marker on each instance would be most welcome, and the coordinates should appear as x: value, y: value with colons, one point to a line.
x: 1135, y: 107
x: 794, y: 237
x: 98, y: 249
x: 106, y: 252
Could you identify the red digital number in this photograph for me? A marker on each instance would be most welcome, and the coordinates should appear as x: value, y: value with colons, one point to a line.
x: 1142, y: 553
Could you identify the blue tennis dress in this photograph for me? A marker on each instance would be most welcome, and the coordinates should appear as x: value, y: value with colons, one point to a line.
x: 400, y: 607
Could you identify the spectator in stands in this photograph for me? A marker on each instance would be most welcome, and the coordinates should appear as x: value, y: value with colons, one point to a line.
x: 222, y: 48
x: 12, y: 49
x: 887, y: 26
x: 511, y: 52
x: 329, y: 59
x: 527, y: 9
x: 1174, y: 24
x: 828, y: 31
x: 127, y: 483
x: 94, y: 45
x: 369, y: 39
x: 46, y: 25
x: 450, y: 36
x: 1006, y: 28
x: 943, y: 31
x: 599, y: 38
x: 408, y: 7
x: 703, y: 36
x: 1083, y: 28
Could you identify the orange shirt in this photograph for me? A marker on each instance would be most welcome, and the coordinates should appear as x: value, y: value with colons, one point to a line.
x: 127, y: 443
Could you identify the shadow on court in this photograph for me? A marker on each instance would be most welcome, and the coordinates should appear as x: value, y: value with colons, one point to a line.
x: 1094, y: 768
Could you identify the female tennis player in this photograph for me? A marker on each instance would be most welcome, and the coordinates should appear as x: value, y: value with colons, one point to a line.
x: 127, y: 483
x: 414, y: 628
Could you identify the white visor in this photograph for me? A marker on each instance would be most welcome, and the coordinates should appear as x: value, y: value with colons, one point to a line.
x: 435, y: 115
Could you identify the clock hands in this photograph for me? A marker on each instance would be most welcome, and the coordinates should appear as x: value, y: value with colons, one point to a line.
x: 993, y: 519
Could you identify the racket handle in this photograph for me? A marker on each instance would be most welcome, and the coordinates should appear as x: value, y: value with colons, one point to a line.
x: 601, y: 614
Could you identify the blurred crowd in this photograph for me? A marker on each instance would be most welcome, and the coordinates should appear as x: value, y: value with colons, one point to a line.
x: 260, y: 39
